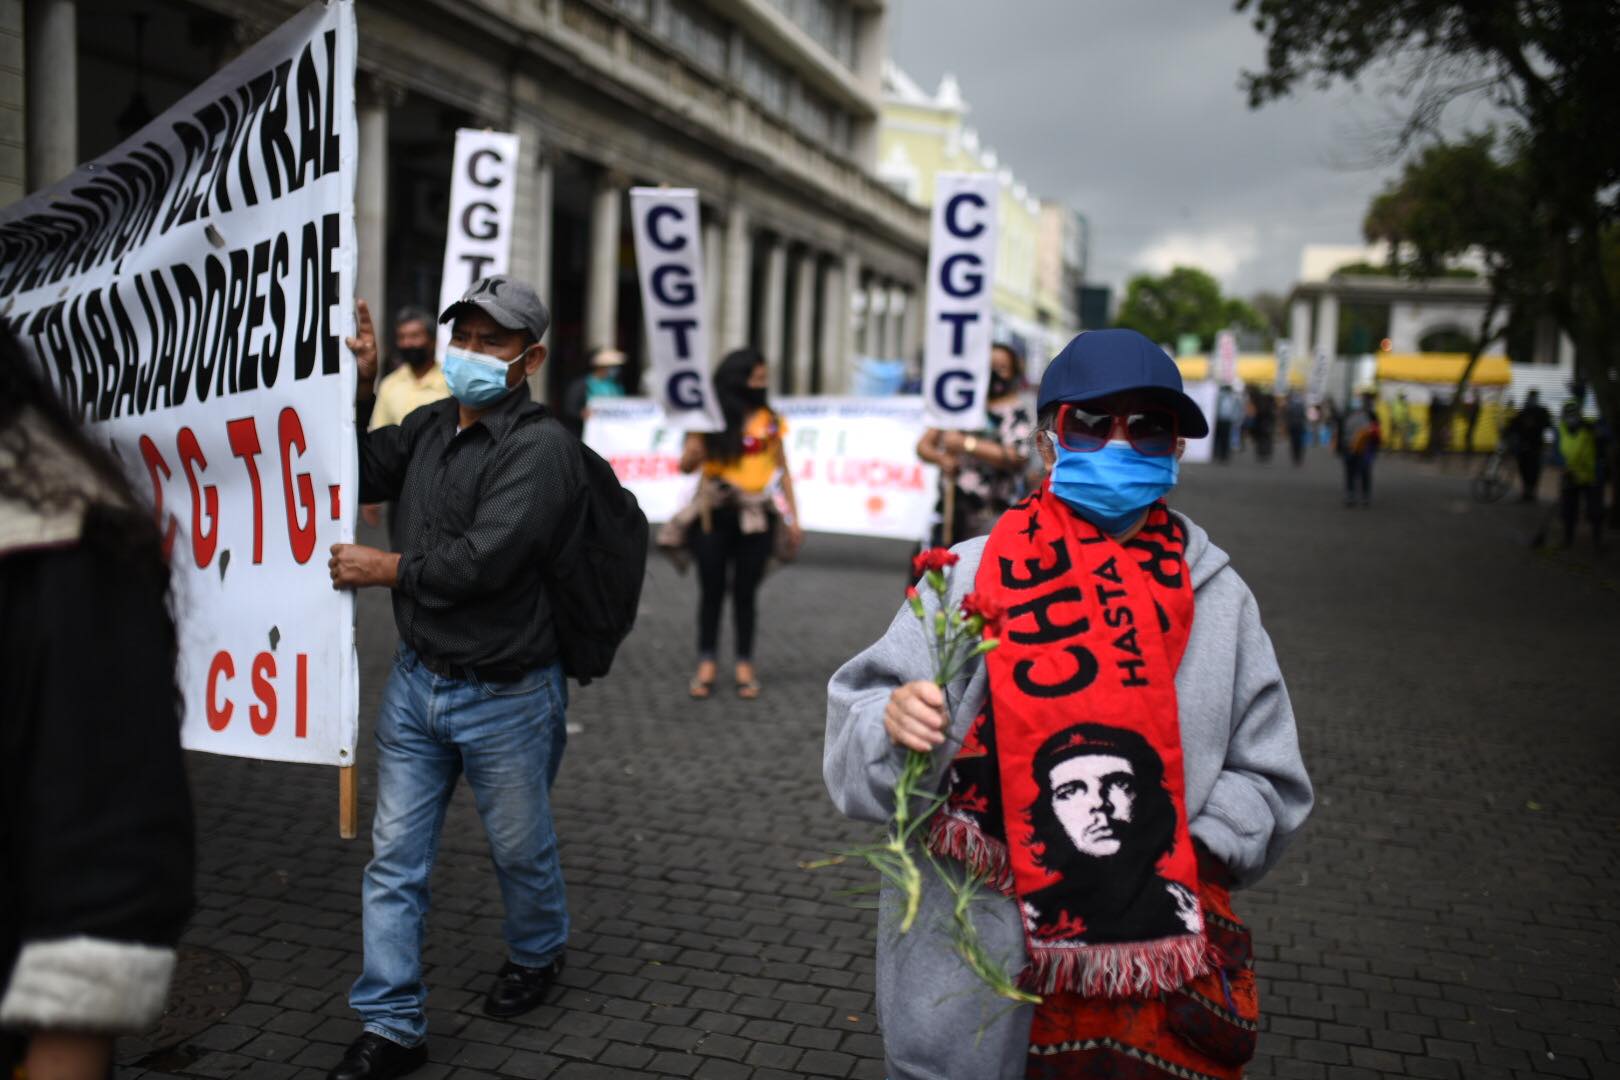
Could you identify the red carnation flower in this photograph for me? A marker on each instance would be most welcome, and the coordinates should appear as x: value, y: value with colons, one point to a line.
x: 933, y: 559
x: 977, y: 605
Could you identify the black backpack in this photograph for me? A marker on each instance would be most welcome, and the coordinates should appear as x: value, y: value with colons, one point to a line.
x: 595, y: 576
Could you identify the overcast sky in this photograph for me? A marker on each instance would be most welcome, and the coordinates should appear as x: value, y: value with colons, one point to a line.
x: 1130, y: 111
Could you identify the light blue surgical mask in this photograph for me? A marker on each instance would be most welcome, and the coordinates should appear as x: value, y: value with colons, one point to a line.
x: 1111, y: 487
x: 474, y: 379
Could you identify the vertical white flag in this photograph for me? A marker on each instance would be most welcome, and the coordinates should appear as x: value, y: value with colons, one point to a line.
x: 483, y: 187
x: 961, y: 270
x: 1226, y: 354
x: 669, y: 262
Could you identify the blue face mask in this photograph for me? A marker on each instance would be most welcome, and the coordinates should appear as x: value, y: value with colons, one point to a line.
x: 1111, y: 487
x: 474, y: 379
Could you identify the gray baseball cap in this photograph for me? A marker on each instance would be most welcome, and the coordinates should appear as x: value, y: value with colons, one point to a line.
x: 512, y: 303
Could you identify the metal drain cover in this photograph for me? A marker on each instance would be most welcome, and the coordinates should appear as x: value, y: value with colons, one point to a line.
x: 207, y: 985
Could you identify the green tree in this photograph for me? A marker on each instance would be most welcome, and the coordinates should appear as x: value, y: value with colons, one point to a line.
x: 1460, y: 197
x: 1184, y: 301
x: 1553, y: 66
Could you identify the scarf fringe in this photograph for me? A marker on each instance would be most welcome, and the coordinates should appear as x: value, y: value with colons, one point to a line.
x: 1127, y: 969
x: 963, y: 841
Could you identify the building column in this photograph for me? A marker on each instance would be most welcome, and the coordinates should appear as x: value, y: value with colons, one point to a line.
x: 714, y: 279
x: 801, y: 343
x: 52, y: 94
x: 1327, y: 324
x: 893, y: 349
x: 773, y: 316
x: 841, y: 379
x: 532, y: 209
x: 602, y: 276
x: 834, y: 309
x: 371, y: 199
x: 739, y: 272
x: 911, y: 327
x: 1299, y: 326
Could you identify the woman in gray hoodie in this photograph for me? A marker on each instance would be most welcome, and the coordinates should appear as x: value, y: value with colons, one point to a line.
x: 1243, y: 789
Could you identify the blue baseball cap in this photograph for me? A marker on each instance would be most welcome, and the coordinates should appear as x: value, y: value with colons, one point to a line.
x: 1102, y: 362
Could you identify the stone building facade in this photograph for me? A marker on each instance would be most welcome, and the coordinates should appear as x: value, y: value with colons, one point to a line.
x: 769, y: 108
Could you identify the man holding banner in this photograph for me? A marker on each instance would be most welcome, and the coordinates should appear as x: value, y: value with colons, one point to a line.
x: 482, y: 481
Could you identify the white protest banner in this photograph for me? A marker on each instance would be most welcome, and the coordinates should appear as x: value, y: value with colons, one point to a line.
x: 1285, y: 353
x: 1226, y: 355
x: 669, y: 261
x: 1316, y: 386
x: 187, y: 294
x: 961, y: 268
x: 854, y: 461
x: 478, y: 239
x: 1205, y: 393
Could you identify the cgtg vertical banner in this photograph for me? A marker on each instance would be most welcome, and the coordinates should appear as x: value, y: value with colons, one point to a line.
x: 961, y: 269
x: 483, y: 189
x: 1285, y: 353
x: 669, y: 262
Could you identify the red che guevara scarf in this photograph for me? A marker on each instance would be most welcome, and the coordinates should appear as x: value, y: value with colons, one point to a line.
x: 1067, y: 793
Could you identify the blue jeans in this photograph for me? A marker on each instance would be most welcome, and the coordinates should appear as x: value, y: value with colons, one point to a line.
x: 508, y: 738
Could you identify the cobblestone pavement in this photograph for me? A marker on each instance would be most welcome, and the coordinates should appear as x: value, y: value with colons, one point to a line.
x: 1446, y: 914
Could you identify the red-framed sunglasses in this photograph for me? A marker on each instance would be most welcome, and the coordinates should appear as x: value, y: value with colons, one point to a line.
x: 1151, y: 431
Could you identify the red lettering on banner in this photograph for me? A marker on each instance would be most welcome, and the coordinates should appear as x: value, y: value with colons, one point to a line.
x: 219, y: 715
x: 302, y: 537
x: 301, y: 696
x: 244, y: 436
x: 875, y: 473
x: 193, y: 461
x: 154, y: 465
x: 633, y: 467
x: 263, y: 720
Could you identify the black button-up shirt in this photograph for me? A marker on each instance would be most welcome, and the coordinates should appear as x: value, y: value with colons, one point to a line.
x: 476, y: 518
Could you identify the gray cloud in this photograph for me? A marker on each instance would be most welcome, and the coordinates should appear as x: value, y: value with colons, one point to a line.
x: 1130, y: 111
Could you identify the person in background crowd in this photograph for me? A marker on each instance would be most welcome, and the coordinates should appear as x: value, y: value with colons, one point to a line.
x: 1194, y: 753
x: 1577, y: 444
x: 485, y: 483
x: 417, y: 380
x: 1528, y: 431
x: 735, y: 513
x: 987, y: 467
x: 1297, y: 421
x: 1400, y: 422
x: 1228, y: 416
x: 1264, y: 423
x: 1358, y: 442
x: 1439, y: 425
x: 607, y: 364
x: 96, y: 844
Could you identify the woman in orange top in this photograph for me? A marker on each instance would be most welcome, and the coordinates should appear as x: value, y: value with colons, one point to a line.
x: 740, y: 465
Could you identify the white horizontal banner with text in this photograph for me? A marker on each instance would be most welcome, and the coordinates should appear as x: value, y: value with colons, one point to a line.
x: 853, y: 461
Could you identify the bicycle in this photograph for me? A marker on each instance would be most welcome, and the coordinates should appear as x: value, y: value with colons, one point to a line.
x: 1493, y: 480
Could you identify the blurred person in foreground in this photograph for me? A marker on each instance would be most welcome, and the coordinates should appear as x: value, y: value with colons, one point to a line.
x: 987, y: 467
x: 1578, y: 446
x: 1123, y: 759
x: 96, y: 845
x: 417, y: 380
x: 731, y: 524
x: 485, y: 483
x: 1358, y: 440
x: 1297, y: 419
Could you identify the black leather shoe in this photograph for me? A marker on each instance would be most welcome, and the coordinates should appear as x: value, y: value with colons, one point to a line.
x: 372, y: 1057
x: 518, y: 989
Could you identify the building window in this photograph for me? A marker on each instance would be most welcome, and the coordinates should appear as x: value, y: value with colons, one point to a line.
x: 638, y: 10
x: 698, y: 35
x: 764, y: 80
x: 829, y: 22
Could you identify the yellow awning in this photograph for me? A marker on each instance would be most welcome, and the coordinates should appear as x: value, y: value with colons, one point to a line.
x: 1443, y: 368
x: 1256, y: 369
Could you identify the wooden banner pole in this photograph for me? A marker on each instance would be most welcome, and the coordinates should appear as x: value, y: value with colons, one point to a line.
x: 948, y: 526
x: 348, y: 803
